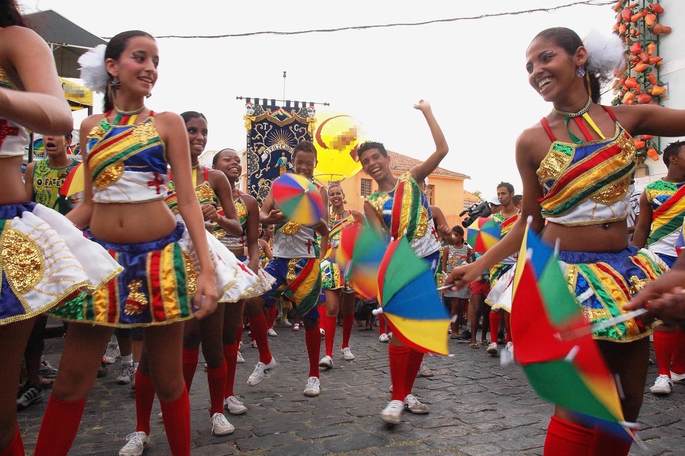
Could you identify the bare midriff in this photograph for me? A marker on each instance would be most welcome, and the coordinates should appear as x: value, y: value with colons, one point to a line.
x: 608, y: 237
x: 131, y: 222
x: 13, y: 190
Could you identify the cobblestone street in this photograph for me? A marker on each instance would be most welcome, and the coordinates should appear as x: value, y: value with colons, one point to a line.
x: 477, y: 408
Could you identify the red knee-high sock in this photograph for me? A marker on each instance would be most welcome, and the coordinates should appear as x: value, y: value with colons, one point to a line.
x: 15, y: 447
x: 415, y: 359
x: 312, y: 338
x: 59, y: 427
x: 664, y: 344
x: 216, y: 378
x: 678, y: 360
x: 321, y: 309
x: 176, y: 415
x: 190, y: 357
x: 381, y: 325
x: 230, y: 354
x: 271, y: 314
x: 330, y: 327
x: 258, y: 329
x: 606, y: 444
x: 495, y: 318
x: 398, y: 357
x: 565, y: 438
x: 507, y: 326
x: 145, y: 396
x: 348, y: 321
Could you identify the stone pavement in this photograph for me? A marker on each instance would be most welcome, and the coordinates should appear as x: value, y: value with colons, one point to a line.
x: 477, y: 408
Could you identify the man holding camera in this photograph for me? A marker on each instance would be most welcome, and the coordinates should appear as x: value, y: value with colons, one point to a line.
x: 501, y: 274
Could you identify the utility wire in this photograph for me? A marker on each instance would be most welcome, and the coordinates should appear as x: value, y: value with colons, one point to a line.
x: 393, y: 24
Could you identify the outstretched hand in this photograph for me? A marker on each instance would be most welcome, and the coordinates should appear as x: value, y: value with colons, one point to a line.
x: 461, y: 276
x: 664, y: 298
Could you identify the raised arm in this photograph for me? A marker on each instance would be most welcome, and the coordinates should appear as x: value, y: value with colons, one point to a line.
x: 644, y: 222
x: 423, y: 170
x: 173, y: 132
x: 40, y: 106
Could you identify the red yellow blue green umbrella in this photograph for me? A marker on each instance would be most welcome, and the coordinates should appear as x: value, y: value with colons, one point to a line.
x: 483, y: 234
x: 299, y: 199
x: 74, y: 182
x: 567, y: 371
x: 359, y: 254
x: 410, y: 301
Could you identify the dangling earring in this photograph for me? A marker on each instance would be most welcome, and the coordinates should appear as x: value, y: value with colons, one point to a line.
x: 115, y: 83
x: 580, y: 72
x: 148, y: 95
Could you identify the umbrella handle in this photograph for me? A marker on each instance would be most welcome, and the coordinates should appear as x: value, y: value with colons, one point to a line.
x: 377, y: 311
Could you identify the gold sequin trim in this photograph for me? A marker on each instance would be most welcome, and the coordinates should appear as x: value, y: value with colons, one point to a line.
x: 191, y: 274
x: 553, y: 165
x: 422, y: 226
x: 136, y: 302
x: 291, y: 228
x: 21, y: 259
x: 145, y: 132
x: 291, y: 274
x: 205, y: 194
x: 109, y: 175
x: 636, y: 284
x: 612, y: 193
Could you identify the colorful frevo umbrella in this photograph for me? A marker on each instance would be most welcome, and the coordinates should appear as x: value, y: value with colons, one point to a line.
x: 359, y: 255
x: 299, y: 199
x: 410, y: 301
x: 569, y: 372
x: 483, y: 234
x: 74, y: 182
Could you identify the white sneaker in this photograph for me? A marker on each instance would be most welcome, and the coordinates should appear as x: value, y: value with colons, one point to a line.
x: 392, y: 413
x: 414, y: 405
x: 111, y: 353
x: 239, y: 358
x: 322, y: 332
x: 253, y: 344
x: 347, y: 354
x: 326, y: 362
x: 384, y: 338
x: 126, y: 375
x: 234, y: 405
x: 136, y: 442
x: 492, y: 349
x: 662, y: 385
x: 260, y: 371
x: 313, y: 387
x: 296, y: 327
x: 220, y: 425
x: 286, y: 322
x: 677, y: 377
x: 272, y: 332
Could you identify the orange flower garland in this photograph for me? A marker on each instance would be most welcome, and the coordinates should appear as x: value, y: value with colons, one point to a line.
x: 637, y: 23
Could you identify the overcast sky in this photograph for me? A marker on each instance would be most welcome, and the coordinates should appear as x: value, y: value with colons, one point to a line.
x: 472, y: 71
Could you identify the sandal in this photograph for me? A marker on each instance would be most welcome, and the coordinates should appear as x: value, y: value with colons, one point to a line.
x: 474, y: 345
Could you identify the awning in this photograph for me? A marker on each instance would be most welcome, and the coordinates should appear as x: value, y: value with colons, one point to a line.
x: 66, y: 39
